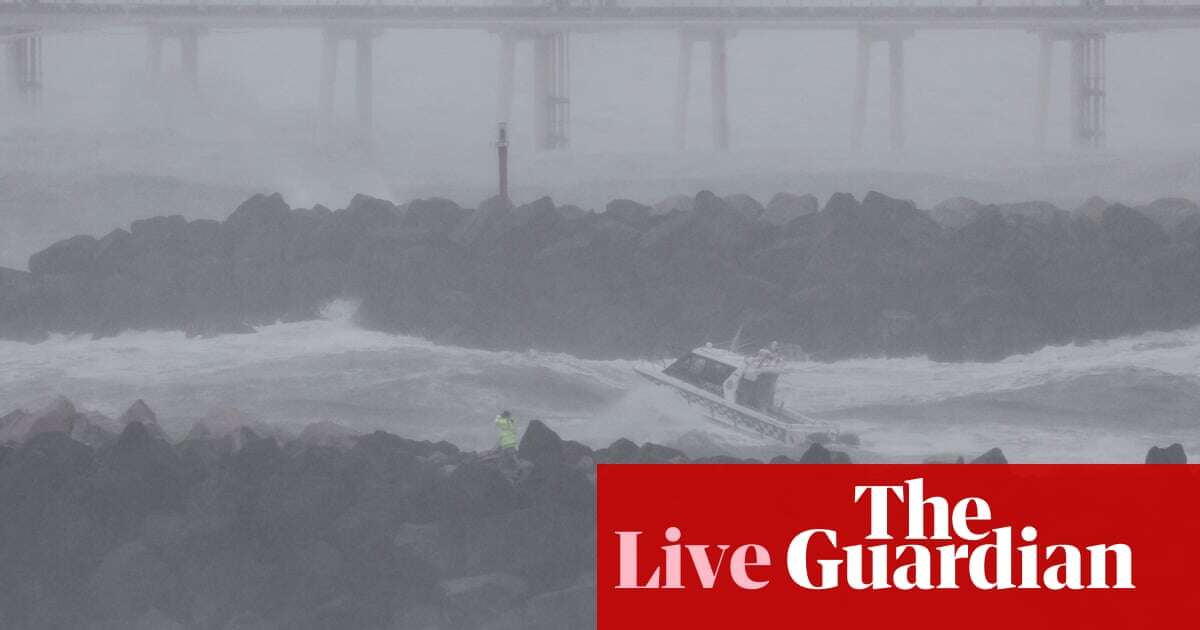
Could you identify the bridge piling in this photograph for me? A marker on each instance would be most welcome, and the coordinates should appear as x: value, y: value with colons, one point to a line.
x: 896, y: 109
x: 1045, y: 66
x: 1088, y: 92
x: 720, y: 91
x: 683, y: 78
x: 506, y: 75
x: 189, y: 56
x: 551, y: 84
x: 25, y: 68
x: 861, y: 85
x: 154, y: 51
x: 329, y: 59
x: 364, y: 80
x: 896, y: 113
x: 541, y: 93
x: 717, y: 41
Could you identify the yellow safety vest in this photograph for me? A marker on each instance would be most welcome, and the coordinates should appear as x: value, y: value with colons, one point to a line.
x: 508, y: 432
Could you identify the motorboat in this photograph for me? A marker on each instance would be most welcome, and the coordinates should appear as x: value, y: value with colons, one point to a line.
x: 736, y: 391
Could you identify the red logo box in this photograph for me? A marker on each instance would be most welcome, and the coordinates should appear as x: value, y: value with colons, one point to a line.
x: 1029, y: 546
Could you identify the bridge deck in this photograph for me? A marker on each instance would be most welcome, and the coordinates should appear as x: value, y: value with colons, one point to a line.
x: 284, y: 15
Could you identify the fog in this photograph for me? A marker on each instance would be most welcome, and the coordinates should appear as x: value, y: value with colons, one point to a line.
x: 253, y: 126
x: 288, y: 418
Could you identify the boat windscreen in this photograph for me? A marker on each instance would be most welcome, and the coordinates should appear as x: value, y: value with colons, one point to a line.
x: 700, y: 372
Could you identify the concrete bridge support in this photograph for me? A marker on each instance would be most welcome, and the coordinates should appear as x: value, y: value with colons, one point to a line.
x: 683, y: 79
x: 364, y: 74
x: 718, y: 79
x: 25, y: 68
x: 189, y: 56
x: 896, y: 111
x: 329, y: 59
x: 364, y: 80
x: 154, y: 51
x: 551, y: 85
x: 506, y: 77
x: 1088, y: 91
x: 896, y: 75
x: 189, y: 52
x: 720, y: 92
x: 1045, y: 66
x: 861, y: 85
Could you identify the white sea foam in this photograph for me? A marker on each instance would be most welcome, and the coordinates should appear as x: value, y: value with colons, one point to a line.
x: 1107, y: 401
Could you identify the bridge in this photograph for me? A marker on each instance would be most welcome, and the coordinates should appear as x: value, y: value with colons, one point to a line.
x: 1083, y: 26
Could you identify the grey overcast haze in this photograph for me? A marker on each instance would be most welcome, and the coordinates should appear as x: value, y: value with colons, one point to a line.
x: 219, y: 307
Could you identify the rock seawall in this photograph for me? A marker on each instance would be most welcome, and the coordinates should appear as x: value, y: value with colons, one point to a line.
x: 870, y: 277
x: 108, y: 525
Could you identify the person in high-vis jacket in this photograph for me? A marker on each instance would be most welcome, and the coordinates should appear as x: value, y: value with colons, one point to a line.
x: 508, y: 432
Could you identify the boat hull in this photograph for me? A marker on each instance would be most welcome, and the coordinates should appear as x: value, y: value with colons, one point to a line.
x: 727, y: 414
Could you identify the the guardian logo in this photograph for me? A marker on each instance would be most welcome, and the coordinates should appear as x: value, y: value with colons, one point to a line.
x: 943, y: 546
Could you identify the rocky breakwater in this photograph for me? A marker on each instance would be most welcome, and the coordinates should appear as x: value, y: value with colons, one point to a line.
x: 873, y: 276
x: 107, y: 524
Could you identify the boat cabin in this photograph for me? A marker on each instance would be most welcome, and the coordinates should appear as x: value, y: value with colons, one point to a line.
x: 745, y: 381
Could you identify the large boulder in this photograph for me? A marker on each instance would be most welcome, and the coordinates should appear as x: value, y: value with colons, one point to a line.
x: 73, y: 255
x: 786, y: 207
x: 541, y: 445
x: 748, y: 206
x: 1172, y: 454
x: 1171, y: 213
x: 955, y: 212
x: 629, y: 212
x: 1129, y: 231
x: 142, y: 414
x: 818, y: 454
x: 434, y: 215
x: 481, y: 221
x: 993, y: 456
x: 56, y: 415
x: 327, y: 433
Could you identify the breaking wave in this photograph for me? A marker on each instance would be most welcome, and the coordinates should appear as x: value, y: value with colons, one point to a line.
x: 1106, y: 401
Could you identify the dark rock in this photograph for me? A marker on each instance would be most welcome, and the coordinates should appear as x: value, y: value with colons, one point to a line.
x: 993, y: 456
x: 629, y: 212
x: 678, y: 203
x: 1172, y: 454
x: 622, y: 451
x: 651, y: 453
x: 541, y: 446
x: 786, y: 207
x: 818, y: 454
x: 876, y: 277
x: 142, y: 414
x: 480, y: 222
x: 73, y: 255
x: 721, y: 459
x: 956, y: 212
x: 748, y: 206
x: 57, y: 415
x: 1170, y: 213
